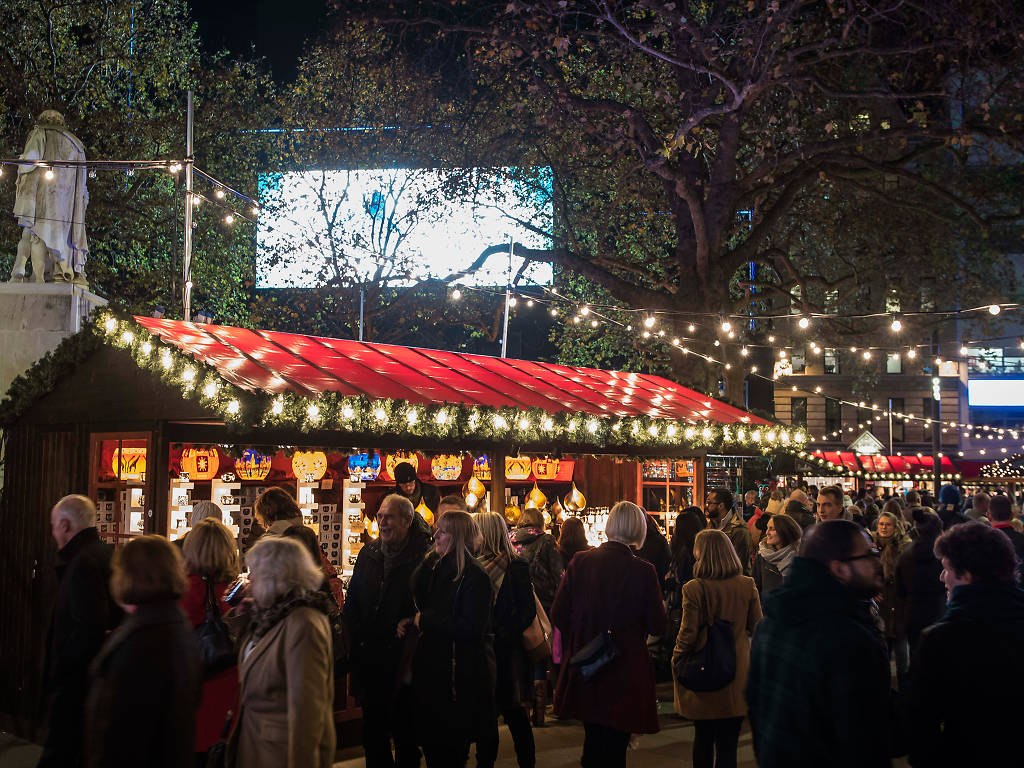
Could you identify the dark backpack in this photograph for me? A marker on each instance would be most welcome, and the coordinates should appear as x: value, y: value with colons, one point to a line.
x: 216, y: 645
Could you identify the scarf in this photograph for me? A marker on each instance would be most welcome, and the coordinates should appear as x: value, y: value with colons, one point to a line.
x: 889, y: 547
x: 495, y: 567
x: 780, y: 558
x: 285, y: 604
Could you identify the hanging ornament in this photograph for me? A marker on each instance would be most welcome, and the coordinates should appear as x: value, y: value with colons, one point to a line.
x: 394, y: 459
x: 253, y: 465
x: 446, y: 466
x: 517, y: 467
x: 482, y: 468
x: 129, y: 463
x: 309, y: 466
x: 545, y: 469
x: 537, y: 497
x: 363, y: 467
x: 475, y: 487
x: 200, y: 463
x: 512, y: 514
x: 426, y: 513
x: 556, y: 509
x: 574, y: 500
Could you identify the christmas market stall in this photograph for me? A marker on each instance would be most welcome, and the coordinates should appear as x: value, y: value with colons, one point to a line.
x: 148, y: 416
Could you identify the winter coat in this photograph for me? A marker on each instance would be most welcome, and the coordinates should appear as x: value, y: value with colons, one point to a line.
x: 966, y: 681
x: 920, y: 593
x: 768, y: 576
x: 286, y: 696
x: 218, y: 693
x: 1017, y: 539
x: 818, y: 690
x: 950, y: 516
x: 739, y: 535
x: 146, y: 684
x: 379, y: 597
x: 705, y: 601
x: 83, y: 612
x: 888, y: 604
x: 514, y: 610
x: 609, y: 588
x: 655, y: 549
x: 453, y: 672
x: 540, y: 550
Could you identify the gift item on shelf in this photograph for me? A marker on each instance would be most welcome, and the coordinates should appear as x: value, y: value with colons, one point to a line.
x: 307, y: 503
x: 353, y: 524
x: 179, y: 507
x: 226, y: 495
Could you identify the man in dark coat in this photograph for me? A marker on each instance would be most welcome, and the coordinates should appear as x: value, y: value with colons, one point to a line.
x: 968, y: 673
x: 1000, y: 510
x: 83, y: 612
x: 379, y: 596
x: 719, y: 512
x: 818, y: 690
x: 656, y: 550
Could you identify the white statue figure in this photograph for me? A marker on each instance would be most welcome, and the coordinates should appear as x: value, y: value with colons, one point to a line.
x: 50, y: 204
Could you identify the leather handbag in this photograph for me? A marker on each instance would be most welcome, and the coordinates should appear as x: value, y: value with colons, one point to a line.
x: 713, y: 666
x: 599, y: 652
x: 537, y: 636
x: 216, y: 645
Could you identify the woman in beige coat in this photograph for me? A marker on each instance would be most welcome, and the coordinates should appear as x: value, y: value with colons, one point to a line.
x: 286, y: 663
x: 719, y: 590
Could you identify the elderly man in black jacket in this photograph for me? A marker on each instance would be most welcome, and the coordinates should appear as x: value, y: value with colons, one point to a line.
x: 818, y: 689
x: 968, y: 674
x: 83, y: 612
x: 379, y: 596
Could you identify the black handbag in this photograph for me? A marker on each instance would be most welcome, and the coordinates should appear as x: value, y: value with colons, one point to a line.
x: 216, y: 645
x: 714, y: 666
x: 217, y: 755
x: 599, y: 652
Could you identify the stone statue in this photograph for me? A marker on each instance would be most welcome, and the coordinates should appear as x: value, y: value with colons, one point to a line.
x: 50, y: 205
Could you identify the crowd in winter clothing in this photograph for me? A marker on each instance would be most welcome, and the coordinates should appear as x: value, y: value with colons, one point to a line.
x: 789, y: 613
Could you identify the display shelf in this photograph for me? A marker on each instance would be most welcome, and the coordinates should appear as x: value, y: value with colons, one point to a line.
x: 227, y: 496
x: 353, y: 524
x: 306, y: 499
x: 179, y: 507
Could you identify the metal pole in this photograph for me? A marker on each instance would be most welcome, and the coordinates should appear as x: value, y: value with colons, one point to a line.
x: 508, y: 296
x: 189, y: 203
x: 936, y: 436
x: 361, y: 296
x: 891, y: 452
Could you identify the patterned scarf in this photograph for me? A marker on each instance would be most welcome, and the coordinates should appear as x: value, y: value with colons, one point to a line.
x: 494, y: 566
x: 297, y: 598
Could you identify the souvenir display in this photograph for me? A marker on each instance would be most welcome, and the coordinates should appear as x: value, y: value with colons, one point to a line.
x: 253, y: 465
x: 200, y: 463
x: 517, y: 467
x: 392, y: 460
x: 545, y: 469
x: 446, y: 466
x: 364, y: 467
x: 129, y: 463
x: 482, y: 468
x: 309, y: 466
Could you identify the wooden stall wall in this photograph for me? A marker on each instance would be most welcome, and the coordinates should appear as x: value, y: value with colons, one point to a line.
x: 41, y: 465
x: 605, y: 480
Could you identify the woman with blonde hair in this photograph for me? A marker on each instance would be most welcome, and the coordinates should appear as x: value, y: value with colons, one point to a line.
x: 609, y: 592
x: 211, y: 562
x: 514, y: 610
x: 891, y: 541
x: 453, y: 671
x: 718, y: 592
x: 285, y: 668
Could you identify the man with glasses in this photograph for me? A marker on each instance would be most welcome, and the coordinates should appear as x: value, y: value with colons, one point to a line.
x: 719, y: 512
x: 818, y: 689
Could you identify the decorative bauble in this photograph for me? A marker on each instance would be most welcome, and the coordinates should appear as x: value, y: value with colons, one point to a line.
x: 446, y: 466
x: 363, y: 467
x: 517, y: 467
x: 392, y: 460
x: 200, y: 463
x: 512, y: 514
x: 545, y: 469
x: 482, y: 468
x: 472, y: 500
x: 556, y: 509
x: 547, y: 517
x: 309, y: 466
x: 530, y: 504
x: 371, y: 527
x: 253, y: 465
x: 537, y: 497
x: 426, y: 513
x: 475, y: 487
x: 129, y: 463
x: 574, y: 500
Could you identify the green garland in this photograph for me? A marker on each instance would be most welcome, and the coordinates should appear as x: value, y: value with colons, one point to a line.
x: 845, y: 471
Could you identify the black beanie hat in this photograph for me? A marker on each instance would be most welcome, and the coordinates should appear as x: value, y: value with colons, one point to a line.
x: 404, y: 473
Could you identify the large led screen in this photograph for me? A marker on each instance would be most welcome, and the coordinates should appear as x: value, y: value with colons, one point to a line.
x: 995, y: 392
x: 396, y: 226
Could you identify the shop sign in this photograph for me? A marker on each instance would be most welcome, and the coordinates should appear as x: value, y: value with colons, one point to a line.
x: 517, y: 467
x: 482, y: 468
x: 364, y: 467
x: 545, y: 469
x: 129, y: 463
x: 446, y: 466
x: 309, y: 466
x: 394, y: 459
x: 253, y: 465
x: 867, y: 444
x: 200, y: 463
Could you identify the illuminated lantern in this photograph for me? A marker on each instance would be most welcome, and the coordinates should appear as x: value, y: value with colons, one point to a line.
x: 537, y: 497
x: 200, y: 463
x: 372, y: 529
x: 426, y: 513
x: 394, y: 459
x: 363, y: 466
x: 556, y: 510
x: 545, y: 469
x: 129, y: 463
x: 517, y: 467
x: 512, y: 514
x: 446, y: 466
x: 309, y: 466
x: 475, y: 487
x: 547, y: 517
x: 253, y: 465
x: 482, y: 468
x: 574, y: 500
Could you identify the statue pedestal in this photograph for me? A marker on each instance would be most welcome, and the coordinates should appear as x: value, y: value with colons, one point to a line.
x: 34, y: 319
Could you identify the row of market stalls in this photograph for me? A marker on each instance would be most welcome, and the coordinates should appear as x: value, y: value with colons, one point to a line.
x: 854, y: 471
x: 148, y: 416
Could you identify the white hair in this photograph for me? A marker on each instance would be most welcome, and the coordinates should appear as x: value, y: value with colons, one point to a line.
x: 204, y: 509
x: 77, y: 510
x: 400, y: 504
x: 278, y: 565
x: 627, y: 524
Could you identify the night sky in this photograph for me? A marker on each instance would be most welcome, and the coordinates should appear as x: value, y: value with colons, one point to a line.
x: 276, y: 29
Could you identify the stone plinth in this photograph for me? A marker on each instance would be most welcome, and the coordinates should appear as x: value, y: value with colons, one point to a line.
x: 34, y: 319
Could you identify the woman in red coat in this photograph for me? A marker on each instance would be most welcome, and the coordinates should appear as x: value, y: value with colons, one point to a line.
x: 609, y: 588
x: 211, y: 554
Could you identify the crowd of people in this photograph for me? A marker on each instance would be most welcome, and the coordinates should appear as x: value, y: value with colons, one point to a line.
x: 847, y: 634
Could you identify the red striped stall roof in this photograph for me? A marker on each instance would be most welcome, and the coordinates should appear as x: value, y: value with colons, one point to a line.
x: 909, y: 465
x: 275, y: 362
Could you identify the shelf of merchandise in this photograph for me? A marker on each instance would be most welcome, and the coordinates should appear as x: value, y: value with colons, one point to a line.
x: 220, y: 492
x: 353, y: 523
x: 179, y: 507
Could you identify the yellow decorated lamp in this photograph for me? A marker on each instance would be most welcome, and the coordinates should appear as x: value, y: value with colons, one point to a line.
x: 475, y: 487
x: 574, y: 500
x: 537, y: 497
x: 512, y: 514
x: 426, y: 513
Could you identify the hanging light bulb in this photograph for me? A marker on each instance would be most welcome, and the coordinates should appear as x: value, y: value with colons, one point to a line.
x: 771, y: 339
x: 593, y: 323
x: 649, y: 321
x: 255, y: 211
x: 867, y: 354
x: 691, y: 328
x: 804, y: 323
x: 911, y: 353
x: 897, y: 324
x: 220, y: 194
x: 584, y: 310
x: 456, y: 294
x: 229, y: 219
x: 529, y: 303
x: 744, y: 351
x: 554, y: 312
x: 964, y: 351
x: 49, y: 175
x: 726, y: 326
x: 995, y: 309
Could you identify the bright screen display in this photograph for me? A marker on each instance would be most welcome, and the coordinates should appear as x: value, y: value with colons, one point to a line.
x: 396, y: 226
x: 995, y: 392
